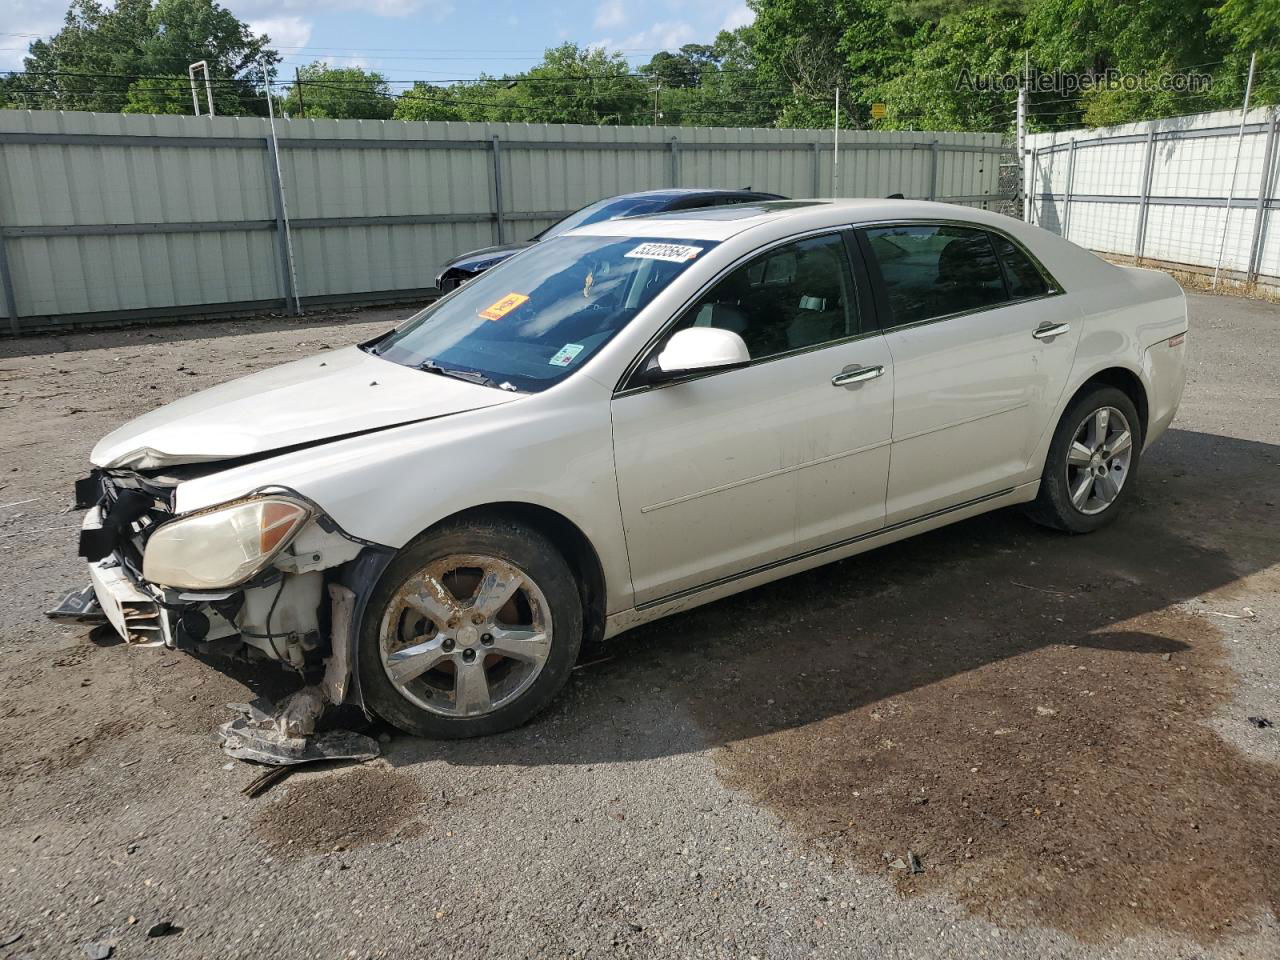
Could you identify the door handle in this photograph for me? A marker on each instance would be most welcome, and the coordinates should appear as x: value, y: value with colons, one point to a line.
x: 857, y: 375
x: 1047, y: 331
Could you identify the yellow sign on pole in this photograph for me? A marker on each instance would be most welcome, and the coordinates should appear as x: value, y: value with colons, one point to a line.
x: 879, y: 111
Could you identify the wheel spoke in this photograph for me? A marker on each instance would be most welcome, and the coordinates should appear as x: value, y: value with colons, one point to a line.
x: 1098, y: 429
x: 1106, y: 487
x: 412, y: 662
x: 1080, y: 495
x: 521, y: 643
x: 1079, y: 455
x: 471, y: 690
x: 495, y: 589
x: 1119, y: 443
x: 433, y: 600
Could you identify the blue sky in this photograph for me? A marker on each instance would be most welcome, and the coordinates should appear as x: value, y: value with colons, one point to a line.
x: 436, y: 40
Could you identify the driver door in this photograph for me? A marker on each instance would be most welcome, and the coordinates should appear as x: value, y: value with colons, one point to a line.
x: 734, y: 470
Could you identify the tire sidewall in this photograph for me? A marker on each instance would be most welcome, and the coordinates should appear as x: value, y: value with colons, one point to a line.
x: 1054, y: 492
x: 536, y: 557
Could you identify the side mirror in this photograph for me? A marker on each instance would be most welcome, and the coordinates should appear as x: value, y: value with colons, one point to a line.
x: 695, y: 349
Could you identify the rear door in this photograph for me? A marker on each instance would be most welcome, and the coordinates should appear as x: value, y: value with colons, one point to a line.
x: 966, y: 312
x: 731, y: 471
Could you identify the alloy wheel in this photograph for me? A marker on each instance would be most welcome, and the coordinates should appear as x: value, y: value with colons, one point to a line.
x: 1098, y: 460
x: 465, y: 635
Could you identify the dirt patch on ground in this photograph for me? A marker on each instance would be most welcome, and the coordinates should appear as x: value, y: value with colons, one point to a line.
x: 1040, y: 745
x: 340, y: 809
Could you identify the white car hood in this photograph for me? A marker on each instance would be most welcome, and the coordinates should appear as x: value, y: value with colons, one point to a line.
x: 322, y: 397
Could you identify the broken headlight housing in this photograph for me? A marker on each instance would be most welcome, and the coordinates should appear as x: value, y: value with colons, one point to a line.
x: 222, y: 547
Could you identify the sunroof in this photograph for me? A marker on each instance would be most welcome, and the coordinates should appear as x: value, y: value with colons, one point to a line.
x: 739, y: 211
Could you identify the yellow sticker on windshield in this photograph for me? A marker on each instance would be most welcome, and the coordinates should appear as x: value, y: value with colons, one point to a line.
x: 497, y: 311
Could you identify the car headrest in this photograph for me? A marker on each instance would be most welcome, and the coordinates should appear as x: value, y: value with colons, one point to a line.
x: 968, y: 261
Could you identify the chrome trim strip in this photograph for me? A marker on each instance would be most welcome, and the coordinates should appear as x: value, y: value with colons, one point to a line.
x: 721, y: 581
x: 734, y: 484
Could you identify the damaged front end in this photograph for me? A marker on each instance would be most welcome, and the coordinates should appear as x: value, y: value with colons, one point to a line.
x: 266, y: 577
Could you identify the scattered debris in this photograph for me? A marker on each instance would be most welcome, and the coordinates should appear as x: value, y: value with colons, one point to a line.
x: 163, y: 929
x: 913, y: 862
x: 919, y: 801
x: 1247, y: 615
x: 1260, y: 722
x: 286, y: 734
x: 10, y: 938
x: 97, y: 949
x: 1046, y: 711
x: 265, y: 781
x: 1052, y: 593
x: 898, y: 864
x: 591, y: 663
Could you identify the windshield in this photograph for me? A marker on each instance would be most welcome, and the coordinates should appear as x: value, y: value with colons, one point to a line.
x: 534, y: 319
x: 608, y: 209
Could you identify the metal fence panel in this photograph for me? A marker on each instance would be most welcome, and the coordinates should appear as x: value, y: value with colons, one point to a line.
x: 110, y: 217
x: 1159, y: 190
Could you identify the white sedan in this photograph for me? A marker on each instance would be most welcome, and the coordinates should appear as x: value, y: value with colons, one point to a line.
x: 629, y: 420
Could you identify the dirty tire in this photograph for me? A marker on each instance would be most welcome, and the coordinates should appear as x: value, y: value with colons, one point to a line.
x: 1053, y: 506
x: 533, y: 555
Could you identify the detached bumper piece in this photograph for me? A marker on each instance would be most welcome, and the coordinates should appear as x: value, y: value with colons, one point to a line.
x: 78, y: 606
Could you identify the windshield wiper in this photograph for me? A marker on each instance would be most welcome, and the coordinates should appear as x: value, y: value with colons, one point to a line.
x: 470, y: 376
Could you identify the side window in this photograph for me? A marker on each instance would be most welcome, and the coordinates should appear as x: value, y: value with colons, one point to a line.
x: 1023, y: 276
x: 931, y: 270
x: 795, y: 296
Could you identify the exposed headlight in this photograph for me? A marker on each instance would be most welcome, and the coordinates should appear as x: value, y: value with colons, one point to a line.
x: 224, y: 546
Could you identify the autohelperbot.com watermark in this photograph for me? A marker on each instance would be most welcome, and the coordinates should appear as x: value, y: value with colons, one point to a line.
x: 1070, y: 84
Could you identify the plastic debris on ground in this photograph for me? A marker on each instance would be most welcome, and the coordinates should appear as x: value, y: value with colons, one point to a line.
x: 285, y: 735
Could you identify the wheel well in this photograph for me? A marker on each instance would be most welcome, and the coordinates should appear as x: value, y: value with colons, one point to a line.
x: 1127, y: 382
x: 573, y: 544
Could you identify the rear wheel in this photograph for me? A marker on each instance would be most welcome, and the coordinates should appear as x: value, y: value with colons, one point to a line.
x: 1092, y: 459
x: 472, y: 630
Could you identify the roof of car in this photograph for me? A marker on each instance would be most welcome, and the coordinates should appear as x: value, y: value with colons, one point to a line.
x: 720, y: 223
x: 675, y: 192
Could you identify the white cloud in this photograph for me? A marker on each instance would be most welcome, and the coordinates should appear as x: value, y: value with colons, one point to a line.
x: 285, y: 32
x: 666, y: 35
x: 739, y: 16
x: 25, y: 21
x: 611, y: 15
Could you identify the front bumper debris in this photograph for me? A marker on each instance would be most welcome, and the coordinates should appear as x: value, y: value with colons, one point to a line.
x: 78, y: 606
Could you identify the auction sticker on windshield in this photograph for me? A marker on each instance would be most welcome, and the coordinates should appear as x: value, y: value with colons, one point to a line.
x: 671, y: 252
x: 564, y: 356
x: 496, y: 311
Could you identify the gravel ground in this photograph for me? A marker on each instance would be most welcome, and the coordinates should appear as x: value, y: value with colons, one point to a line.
x: 1056, y: 728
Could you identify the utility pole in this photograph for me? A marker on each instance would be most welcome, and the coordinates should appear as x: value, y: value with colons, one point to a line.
x: 657, y: 93
x: 1235, y: 169
x: 297, y: 79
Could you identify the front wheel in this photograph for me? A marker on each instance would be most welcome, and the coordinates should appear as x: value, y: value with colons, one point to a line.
x: 472, y: 630
x: 1092, y: 459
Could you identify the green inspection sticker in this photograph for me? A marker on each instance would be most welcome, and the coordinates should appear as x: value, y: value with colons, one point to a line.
x: 564, y: 356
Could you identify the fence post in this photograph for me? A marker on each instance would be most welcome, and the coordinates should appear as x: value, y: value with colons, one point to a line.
x: 1144, y: 197
x: 6, y: 290
x: 933, y: 170
x: 1066, y: 198
x: 1260, y: 209
x: 675, y: 162
x: 1032, y: 214
x: 817, y: 169
x: 282, y: 236
x: 497, y: 189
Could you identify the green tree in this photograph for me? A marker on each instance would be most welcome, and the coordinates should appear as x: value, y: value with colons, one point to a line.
x: 101, y: 52
x: 340, y: 93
